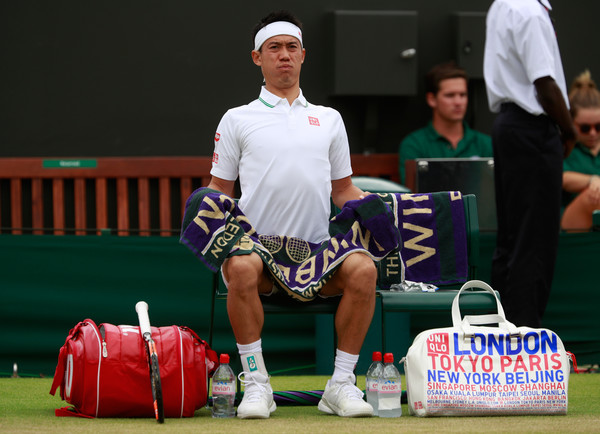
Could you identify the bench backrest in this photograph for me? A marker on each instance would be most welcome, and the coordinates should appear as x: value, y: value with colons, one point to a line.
x: 88, y: 195
x: 129, y: 195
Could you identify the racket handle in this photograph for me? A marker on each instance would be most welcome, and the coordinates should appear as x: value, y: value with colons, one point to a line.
x: 141, y: 308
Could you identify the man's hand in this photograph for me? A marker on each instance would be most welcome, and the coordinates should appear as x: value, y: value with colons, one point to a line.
x: 568, y: 146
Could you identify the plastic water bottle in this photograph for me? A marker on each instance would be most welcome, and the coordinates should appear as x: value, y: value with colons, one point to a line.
x: 390, y: 389
x: 223, y: 389
x: 372, y: 380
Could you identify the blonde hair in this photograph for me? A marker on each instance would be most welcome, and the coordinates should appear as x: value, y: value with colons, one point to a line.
x: 583, y: 93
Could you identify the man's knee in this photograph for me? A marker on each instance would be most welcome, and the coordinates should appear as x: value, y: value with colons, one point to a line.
x: 241, y: 269
x: 246, y: 273
x: 236, y: 265
x: 364, y: 265
x: 367, y: 269
x: 361, y: 275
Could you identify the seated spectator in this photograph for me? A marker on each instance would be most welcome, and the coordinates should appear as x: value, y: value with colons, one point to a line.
x: 447, y: 135
x: 581, y: 174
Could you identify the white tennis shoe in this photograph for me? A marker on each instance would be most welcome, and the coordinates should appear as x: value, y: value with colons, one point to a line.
x: 257, y: 402
x: 343, y: 398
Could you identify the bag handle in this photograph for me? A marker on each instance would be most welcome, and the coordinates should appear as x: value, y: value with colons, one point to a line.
x: 470, y: 320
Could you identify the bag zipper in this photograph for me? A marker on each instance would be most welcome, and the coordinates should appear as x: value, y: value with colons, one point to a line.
x: 103, y: 334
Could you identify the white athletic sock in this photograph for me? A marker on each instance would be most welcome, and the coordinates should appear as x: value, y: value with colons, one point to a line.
x: 344, y: 364
x: 252, y: 358
x: 254, y: 347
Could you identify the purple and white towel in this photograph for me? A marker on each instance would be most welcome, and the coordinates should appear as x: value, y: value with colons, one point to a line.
x: 214, y: 227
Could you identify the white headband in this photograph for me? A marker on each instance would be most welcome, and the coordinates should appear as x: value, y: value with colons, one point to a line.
x: 274, y: 29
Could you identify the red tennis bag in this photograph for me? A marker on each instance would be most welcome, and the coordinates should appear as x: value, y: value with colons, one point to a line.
x: 103, y: 371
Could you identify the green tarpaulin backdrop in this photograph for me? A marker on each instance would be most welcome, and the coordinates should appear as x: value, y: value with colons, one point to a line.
x: 49, y: 283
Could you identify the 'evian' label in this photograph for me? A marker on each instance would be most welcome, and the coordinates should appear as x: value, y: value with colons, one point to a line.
x: 223, y: 388
x: 390, y: 386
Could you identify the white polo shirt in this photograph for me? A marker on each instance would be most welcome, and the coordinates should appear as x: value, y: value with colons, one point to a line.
x: 520, y: 47
x: 285, y: 157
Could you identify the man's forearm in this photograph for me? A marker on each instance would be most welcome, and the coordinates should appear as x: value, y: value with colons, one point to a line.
x: 552, y: 101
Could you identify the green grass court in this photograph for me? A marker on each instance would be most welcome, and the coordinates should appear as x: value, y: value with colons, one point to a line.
x: 26, y: 406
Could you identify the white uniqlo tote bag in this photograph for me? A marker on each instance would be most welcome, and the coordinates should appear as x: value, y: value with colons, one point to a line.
x: 485, y: 365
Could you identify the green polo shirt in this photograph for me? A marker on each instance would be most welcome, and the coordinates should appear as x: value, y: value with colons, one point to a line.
x: 581, y: 160
x: 428, y: 143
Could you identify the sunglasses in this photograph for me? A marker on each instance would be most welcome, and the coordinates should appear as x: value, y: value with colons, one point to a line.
x: 586, y: 128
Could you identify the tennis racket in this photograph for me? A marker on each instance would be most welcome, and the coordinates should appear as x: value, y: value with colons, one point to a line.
x: 142, y: 310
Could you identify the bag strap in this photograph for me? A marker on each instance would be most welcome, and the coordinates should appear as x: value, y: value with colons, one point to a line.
x: 572, y: 358
x: 469, y: 320
x: 59, y: 372
x: 70, y: 412
x: 210, y: 354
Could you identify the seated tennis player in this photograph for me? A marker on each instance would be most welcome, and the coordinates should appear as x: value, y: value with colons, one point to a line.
x: 291, y: 157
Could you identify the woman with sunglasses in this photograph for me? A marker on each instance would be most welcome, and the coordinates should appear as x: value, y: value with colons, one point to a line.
x: 581, y: 177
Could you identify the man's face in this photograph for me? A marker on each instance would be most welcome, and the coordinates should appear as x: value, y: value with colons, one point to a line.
x: 450, y: 103
x: 280, y: 59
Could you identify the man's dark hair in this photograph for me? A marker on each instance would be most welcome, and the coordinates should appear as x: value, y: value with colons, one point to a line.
x: 440, y: 72
x: 274, y: 17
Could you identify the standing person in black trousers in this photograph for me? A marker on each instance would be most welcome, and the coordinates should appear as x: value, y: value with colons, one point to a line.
x: 531, y: 135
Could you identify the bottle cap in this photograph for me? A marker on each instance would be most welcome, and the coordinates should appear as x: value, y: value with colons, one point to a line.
x: 388, y: 358
x: 376, y: 356
x: 224, y: 358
